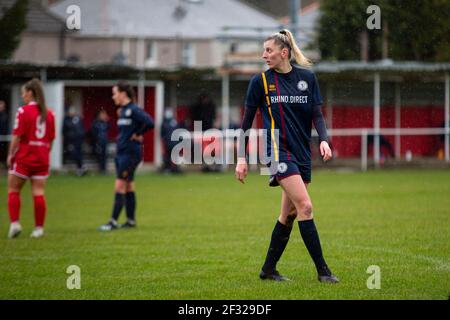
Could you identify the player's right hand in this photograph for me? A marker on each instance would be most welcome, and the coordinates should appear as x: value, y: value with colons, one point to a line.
x: 241, y: 169
x: 10, y: 161
x: 138, y: 138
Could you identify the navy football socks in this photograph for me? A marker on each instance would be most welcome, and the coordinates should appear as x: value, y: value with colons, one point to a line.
x: 280, y: 238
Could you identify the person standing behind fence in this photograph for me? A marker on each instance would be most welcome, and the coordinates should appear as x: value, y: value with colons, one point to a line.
x: 29, y: 156
x: 4, y: 131
x: 204, y: 110
x: 100, y: 128
x: 74, y: 133
x: 168, y: 127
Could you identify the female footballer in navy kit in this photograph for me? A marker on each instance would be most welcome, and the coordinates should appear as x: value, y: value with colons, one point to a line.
x: 133, y: 122
x: 289, y: 99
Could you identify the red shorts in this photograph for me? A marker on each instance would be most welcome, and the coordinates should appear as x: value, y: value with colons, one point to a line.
x: 25, y: 171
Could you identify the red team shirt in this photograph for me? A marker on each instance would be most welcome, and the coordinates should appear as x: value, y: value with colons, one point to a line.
x: 32, y: 159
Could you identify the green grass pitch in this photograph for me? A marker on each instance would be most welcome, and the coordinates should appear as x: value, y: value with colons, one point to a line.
x: 205, y: 237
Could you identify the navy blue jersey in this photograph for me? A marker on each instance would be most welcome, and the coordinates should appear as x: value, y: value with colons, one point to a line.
x: 100, y: 131
x: 132, y: 120
x: 4, y: 123
x: 293, y: 97
x: 73, y: 129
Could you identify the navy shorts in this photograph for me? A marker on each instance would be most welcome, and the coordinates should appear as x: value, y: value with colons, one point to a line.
x: 290, y: 168
x: 126, y: 166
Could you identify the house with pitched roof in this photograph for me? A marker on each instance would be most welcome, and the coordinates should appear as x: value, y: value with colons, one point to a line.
x: 43, y: 40
x: 164, y: 34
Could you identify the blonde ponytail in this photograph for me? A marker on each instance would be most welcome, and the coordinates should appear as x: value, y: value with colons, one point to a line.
x: 297, y: 54
x: 285, y: 39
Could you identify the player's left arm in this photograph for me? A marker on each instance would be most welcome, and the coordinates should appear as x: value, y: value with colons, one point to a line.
x: 146, y: 123
x: 319, y: 121
x: 319, y: 124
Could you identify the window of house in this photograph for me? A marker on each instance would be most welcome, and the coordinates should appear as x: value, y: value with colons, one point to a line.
x: 150, y: 53
x: 188, y: 54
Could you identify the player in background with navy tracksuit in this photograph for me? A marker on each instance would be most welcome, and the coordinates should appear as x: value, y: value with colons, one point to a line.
x: 133, y: 122
x: 289, y: 99
x: 99, y: 130
x: 74, y: 134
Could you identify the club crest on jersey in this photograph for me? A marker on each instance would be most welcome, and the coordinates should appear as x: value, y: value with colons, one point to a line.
x: 272, y: 87
x: 282, y: 167
x: 302, y: 85
x: 128, y: 113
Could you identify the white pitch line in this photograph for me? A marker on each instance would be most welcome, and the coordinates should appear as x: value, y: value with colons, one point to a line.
x: 439, y: 263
